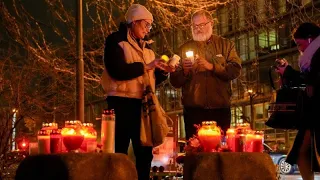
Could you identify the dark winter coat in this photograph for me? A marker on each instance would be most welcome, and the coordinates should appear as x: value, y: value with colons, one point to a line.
x: 310, y: 110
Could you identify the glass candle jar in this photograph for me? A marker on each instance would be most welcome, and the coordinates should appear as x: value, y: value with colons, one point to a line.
x: 90, y: 136
x: 209, y: 135
x: 71, y: 135
x: 240, y: 140
x: 230, y: 137
x: 44, y: 142
x: 108, y: 131
x: 55, y: 141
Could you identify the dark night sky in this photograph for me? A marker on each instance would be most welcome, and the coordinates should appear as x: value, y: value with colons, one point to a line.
x: 39, y: 10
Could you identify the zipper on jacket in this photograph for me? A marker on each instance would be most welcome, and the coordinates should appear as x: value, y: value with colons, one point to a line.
x: 206, y: 93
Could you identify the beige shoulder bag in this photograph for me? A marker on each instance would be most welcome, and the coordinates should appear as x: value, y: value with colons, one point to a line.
x: 154, y: 127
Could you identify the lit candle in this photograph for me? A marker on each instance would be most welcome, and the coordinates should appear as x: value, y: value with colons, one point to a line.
x: 108, y: 131
x: 174, y: 60
x: 189, y: 54
x: 90, y: 135
x: 249, y: 142
x: 71, y: 135
x: 209, y: 135
x: 71, y: 138
x: 240, y: 140
x: 44, y: 142
x: 231, y: 138
x: 257, y: 142
x: 55, y: 141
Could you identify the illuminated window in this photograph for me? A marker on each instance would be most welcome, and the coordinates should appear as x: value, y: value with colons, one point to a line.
x: 239, y: 115
x: 273, y: 40
x: 259, y: 111
x: 263, y: 40
x: 252, y: 46
x: 268, y: 40
x: 243, y: 47
x: 266, y: 107
x: 236, y: 116
x: 260, y: 126
x: 232, y: 17
x: 247, y: 111
x: 233, y: 117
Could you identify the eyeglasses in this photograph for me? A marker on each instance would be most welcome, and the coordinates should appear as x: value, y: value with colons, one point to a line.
x: 200, y: 26
x: 148, y: 25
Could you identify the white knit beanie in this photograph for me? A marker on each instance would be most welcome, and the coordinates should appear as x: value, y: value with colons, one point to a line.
x: 137, y: 12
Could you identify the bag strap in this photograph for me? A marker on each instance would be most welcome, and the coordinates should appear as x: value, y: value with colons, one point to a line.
x: 146, y: 78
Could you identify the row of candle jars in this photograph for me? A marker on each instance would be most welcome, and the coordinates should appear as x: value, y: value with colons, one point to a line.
x: 244, y: 139
x: 73, y: 136
x: 239, y: 139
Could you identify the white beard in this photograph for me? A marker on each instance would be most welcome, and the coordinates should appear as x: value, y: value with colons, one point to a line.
x: 202, y: 36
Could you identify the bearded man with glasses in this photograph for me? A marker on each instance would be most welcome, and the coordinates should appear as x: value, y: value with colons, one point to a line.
x: 205, y: 75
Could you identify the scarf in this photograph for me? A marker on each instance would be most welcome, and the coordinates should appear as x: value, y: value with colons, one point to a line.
x: 306, y: 57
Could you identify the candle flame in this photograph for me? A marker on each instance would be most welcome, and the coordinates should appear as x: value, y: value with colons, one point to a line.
x: 189, y: 54
x: 68, y: 131
x: 87, y: 134
x: 209, y: 132
x: 231, y: 130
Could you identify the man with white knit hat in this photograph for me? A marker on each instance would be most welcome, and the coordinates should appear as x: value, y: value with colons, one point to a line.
x: 127, y: 57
